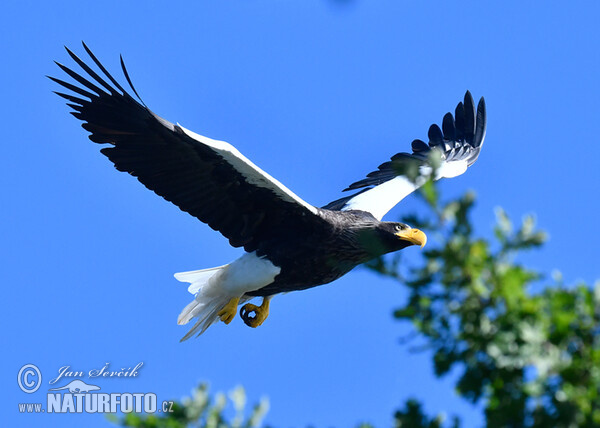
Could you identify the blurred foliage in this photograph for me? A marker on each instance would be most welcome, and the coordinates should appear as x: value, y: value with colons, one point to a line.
x: 531, y: 359
x: 412, y: 416
x: 200, y: 410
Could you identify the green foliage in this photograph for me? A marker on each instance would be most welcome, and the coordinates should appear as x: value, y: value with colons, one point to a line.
x: 200, y: 410
x: 532, y: 359
x: 411, y: 416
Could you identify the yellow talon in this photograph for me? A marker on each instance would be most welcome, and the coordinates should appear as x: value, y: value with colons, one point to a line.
x: 227, y: 314
x: 261, y: 312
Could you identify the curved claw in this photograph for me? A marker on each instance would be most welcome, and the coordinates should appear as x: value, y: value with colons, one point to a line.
x: 227, y: 313
x: 260, y: 313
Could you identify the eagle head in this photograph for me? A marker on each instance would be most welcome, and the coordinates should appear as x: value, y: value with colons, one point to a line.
x: 396, y: 236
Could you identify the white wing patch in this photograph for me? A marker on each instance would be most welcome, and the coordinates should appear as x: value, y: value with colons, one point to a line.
x: 252, y: 173
x: 452, y: 169
x: 382, y: 198
x: 458, y: 143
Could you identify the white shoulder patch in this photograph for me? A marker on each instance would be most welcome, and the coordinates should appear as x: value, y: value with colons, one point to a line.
x: 452, y: 169
x: 382, y: 198
x: 252, y: 173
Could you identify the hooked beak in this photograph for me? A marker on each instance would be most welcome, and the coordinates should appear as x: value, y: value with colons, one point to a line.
x: 414, y: 236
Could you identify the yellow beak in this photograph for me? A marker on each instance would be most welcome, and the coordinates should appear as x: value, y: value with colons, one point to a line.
x: 414, y: 236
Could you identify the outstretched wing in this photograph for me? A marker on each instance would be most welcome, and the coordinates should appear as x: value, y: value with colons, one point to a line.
x: 208, y: 179
x: 450, y: 151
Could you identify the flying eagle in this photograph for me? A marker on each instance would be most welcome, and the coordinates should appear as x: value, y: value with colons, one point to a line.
x: 289, y: 244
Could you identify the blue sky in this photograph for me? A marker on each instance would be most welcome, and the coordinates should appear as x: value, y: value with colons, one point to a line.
x: 317, y: 93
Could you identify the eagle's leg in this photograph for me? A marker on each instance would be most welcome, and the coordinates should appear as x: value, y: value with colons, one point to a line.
x: 260, y: 312
x: 227, y: 314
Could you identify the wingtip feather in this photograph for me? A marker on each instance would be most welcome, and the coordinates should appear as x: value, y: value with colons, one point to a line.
x: 128, y: 79
x: 459, y: 137
x: 481, y: 123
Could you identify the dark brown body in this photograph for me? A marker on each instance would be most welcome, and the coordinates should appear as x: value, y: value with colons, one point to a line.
x: 328, y: 250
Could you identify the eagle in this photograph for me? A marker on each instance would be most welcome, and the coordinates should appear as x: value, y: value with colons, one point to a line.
x: 288, y: 243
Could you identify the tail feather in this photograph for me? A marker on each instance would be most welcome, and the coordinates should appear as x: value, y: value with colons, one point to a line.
x: 214, y: 288
x: 207, y: 302
x: 197, y: 278
x: 205, y: 309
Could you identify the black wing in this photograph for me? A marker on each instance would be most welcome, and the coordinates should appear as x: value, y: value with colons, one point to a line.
x: 208, y: 179
x: 458, y: 144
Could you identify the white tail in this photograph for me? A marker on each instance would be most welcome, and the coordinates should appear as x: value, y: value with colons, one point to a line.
x: 208, y: 301
x: 214, y: 288
x: 206, y: 310
x: 197, y: 278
